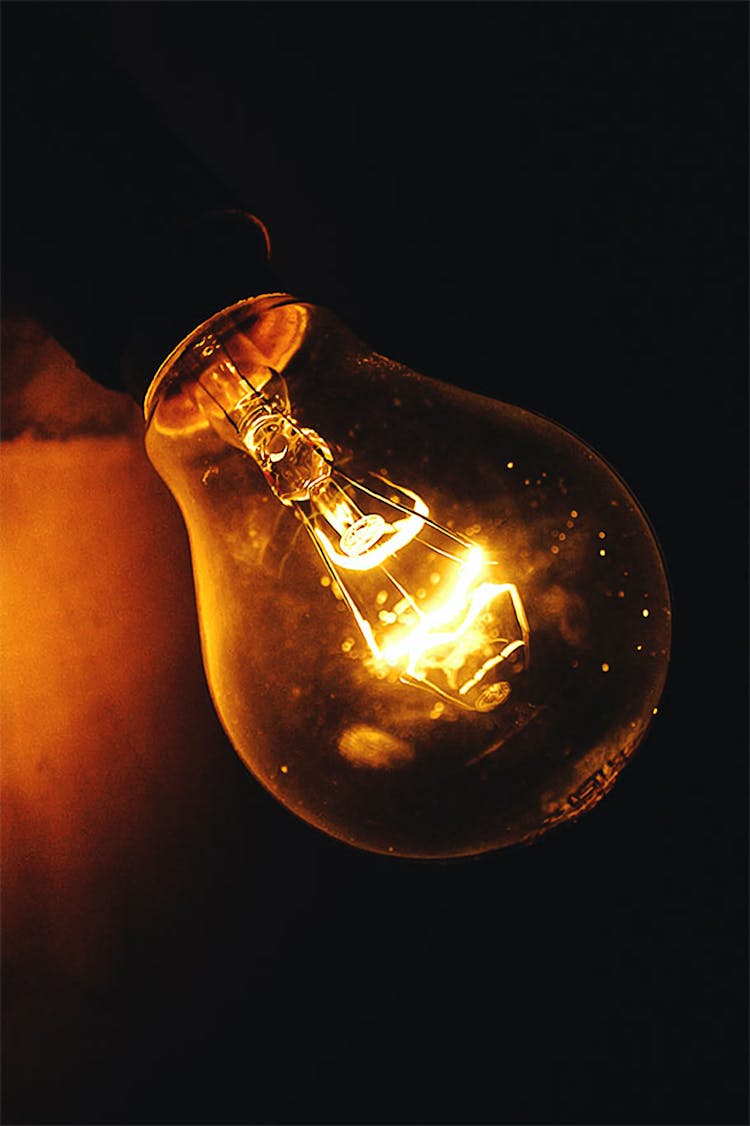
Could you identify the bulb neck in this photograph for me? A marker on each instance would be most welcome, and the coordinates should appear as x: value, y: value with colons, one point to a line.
x: 193, y: 272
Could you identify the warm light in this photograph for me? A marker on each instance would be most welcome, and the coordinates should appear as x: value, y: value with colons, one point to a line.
x: 107, y: 730
x: 393, y: 645
x: 453, y: 642
x: 450, y: 640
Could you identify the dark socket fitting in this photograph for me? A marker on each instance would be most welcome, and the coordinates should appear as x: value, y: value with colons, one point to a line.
x: 197, y: 268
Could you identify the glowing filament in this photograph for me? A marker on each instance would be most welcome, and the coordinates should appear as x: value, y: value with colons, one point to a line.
x: 467, y: 639
x: 458, y: 648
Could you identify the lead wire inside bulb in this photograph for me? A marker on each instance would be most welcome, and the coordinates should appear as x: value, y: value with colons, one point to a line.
x: 420, y: 594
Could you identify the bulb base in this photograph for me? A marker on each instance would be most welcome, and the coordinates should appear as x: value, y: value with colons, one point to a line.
x: 190, y: 274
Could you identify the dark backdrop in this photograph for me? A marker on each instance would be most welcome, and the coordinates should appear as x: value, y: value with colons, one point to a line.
x: 546, y: 203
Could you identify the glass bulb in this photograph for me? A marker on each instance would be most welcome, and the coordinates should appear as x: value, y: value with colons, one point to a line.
x: 433, y: 624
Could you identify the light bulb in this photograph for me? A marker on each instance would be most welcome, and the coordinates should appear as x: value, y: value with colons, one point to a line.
x: 432, y: 624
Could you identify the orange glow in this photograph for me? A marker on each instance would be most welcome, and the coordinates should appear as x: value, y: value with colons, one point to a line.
x: 338, y: 510
x: 448, y: 644
x: 107, y: 726
x: 368, y: 746
x: 403, y: 714
x: 452, y: 644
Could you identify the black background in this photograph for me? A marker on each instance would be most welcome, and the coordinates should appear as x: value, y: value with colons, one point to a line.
x: 546, y: 203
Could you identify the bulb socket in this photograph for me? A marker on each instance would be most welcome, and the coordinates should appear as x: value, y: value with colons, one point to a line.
x: 188, y: 274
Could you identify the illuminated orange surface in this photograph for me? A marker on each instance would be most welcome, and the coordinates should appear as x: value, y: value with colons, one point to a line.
x: 107, y: 728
